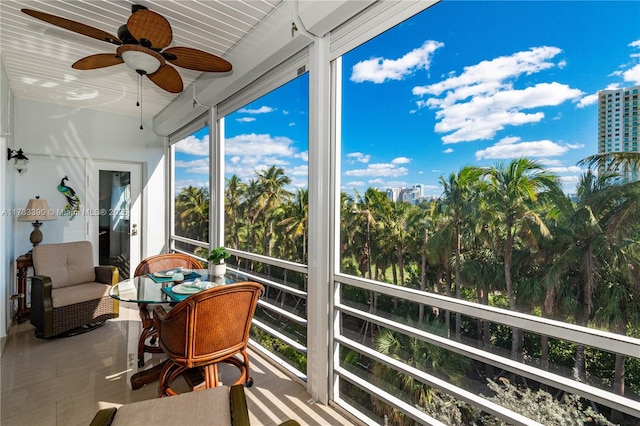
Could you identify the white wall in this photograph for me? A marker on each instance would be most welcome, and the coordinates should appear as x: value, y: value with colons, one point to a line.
x: 60, y: 141
x: 7, y: 179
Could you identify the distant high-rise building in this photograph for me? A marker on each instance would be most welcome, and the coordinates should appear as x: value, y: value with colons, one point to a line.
x: 619, y: 122
x: 408, y: 195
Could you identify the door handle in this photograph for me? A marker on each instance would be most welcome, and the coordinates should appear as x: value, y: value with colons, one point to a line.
x: 134, y: 230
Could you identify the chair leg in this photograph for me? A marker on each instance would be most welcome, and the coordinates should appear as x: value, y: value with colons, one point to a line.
x: 211, y: 379
x: 248, y: 382
x: 169, y: 373
x: 243, y: 366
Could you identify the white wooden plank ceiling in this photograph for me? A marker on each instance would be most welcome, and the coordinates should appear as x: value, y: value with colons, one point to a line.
x: 38, y: 56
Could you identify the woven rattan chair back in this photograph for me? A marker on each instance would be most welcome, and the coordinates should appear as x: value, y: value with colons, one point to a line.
x: 207, y: 328
x: 162, y: 262
x: 157, y: 263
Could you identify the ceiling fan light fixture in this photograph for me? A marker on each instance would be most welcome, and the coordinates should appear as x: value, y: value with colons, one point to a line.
x: 141, y: 62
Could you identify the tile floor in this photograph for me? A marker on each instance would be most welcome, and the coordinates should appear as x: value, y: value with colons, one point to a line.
x: 64, y: 381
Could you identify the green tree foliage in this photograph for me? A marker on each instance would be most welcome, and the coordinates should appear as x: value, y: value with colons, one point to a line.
x: 542, y: 407
x: 505, y: 236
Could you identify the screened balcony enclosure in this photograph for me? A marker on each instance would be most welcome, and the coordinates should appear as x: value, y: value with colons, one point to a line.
x: 414, y: 183
x: 370, y: 300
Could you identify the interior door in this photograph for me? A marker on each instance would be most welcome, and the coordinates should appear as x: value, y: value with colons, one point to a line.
x: 113, y: 214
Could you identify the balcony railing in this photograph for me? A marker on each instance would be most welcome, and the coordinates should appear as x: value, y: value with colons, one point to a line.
x: 351, y: 315
x: 280, y: 333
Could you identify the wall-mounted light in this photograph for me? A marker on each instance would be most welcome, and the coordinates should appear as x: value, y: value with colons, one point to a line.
x: 20, y: 159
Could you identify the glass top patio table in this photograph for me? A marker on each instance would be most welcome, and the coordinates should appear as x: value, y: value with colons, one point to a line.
x: 145, y: 290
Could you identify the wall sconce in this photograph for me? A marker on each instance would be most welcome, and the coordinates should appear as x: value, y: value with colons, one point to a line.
x: 36, y: 211
x: 20, y: 159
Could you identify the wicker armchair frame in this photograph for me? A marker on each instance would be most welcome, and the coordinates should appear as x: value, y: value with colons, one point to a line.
x: 205, y: 329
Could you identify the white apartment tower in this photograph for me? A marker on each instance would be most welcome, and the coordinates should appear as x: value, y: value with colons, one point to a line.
x: 619, y: 122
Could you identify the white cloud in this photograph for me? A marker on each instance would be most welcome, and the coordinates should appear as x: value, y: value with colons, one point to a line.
x: 261, y: 110
x: 448, y: 151
x: 249, y: 153
x: 390, y: 183
x: 550, y: 162
x: 379, y: 169
x: 185, y: 183
x: 195, y: 166
x: 194, y: 146
x: 482, y: 100
x: 379, y: 70
x: 258, y: 145
x: 353, y: 184
x: 513, y: 147
x: 632, y: 75
x: 359, y: 157
x: 569, y: 183
x: 490, y: 74
x: 564, y: 169
x: 588, y: 100
x: 401, y: 160
x: 245, y: 119
x: 302, y: 170
x: 630, y: 72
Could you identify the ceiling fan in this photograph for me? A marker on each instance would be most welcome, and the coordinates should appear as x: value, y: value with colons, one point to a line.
x: 140, y: 45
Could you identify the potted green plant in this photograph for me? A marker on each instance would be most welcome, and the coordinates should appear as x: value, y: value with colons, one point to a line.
x: 216, y: 259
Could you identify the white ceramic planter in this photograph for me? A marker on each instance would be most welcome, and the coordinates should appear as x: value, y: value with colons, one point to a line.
x: 217, y: 270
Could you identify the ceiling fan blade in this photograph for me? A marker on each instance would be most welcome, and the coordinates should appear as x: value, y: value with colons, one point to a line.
x: 167, y: 78
x: 100, y: 60
x: 150, y: 29
x: 74, y: 26
x: 195, y: 59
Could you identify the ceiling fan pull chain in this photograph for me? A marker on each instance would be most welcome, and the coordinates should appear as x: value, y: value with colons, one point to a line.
x: 138, y: 89
x: 139, y: 101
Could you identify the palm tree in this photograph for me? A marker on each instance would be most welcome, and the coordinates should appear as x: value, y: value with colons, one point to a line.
x: 458, y: 198
x: 234, y: 193
x: 367, y: 210
x: 296, y: 223
x: 623, y: 163
x: 423, y: 356
x: 616, y: 307
x: 192, y: 213
x: 439, y: 249
x: 514, y: 192
x: 422, y: 222
x: 250, y: 213
x: 272, y: 183
x: 587, y: 247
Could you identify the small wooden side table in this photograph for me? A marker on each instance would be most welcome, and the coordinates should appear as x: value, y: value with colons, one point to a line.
x: 23, y: 263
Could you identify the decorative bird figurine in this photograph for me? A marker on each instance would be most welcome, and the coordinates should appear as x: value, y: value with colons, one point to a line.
x: 73, y: 200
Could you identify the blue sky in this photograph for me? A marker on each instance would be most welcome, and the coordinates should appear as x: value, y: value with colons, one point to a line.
x: 463, y: 83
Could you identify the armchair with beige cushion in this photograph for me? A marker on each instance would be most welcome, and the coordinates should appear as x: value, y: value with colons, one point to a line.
x: 68, y: 291
x: 219, y: 406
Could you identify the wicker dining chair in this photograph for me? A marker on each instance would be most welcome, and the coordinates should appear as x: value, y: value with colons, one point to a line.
x: 162, y: 262
x: 157, y: 263
x: 205, y: 329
